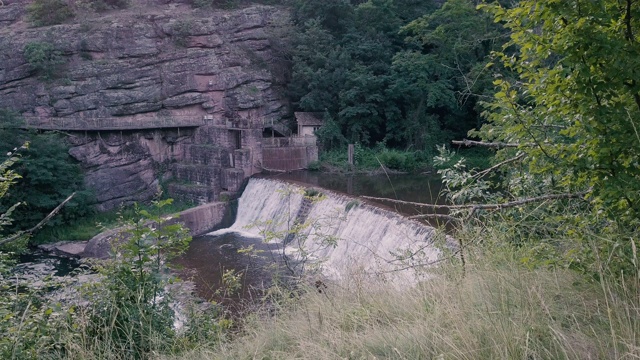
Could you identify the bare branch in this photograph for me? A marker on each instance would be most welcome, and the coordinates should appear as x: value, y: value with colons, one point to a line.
x: 495, y: 145
x: 436, y: 216
x: 475, y: 207
x: 431, y: 206
x: 482, y: 173
x: 19, y: 234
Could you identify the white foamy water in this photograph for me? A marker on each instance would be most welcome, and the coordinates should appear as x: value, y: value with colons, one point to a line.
x: 339, y: 235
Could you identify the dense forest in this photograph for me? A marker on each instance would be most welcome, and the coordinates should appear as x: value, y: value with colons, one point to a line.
x: 405, y: 74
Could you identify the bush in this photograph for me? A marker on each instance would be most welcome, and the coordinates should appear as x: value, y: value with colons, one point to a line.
x: 44, y: 59
x: 102, y: 5
x: 49, y: 175
x: 314, y: 166
x: 49, y: 12
x: 371, y: 158
x: 201, y: 3
x: 397, y: 160
x: 181, y: 31
x: 225, y: 4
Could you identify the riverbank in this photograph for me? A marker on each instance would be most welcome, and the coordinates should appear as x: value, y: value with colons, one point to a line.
x: 496, y: 309
x: 381, y: 160
x: 85, y: 228
x: 492, y: 306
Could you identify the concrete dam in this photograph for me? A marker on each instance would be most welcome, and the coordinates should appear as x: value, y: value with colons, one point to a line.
x: 336, y: 234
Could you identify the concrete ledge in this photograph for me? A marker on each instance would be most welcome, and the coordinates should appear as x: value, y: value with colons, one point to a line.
x: 199, y: 220
x: 203, y: 218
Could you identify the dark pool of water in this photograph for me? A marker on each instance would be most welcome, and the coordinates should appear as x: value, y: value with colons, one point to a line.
x: 57, y: 265
x: 209, y: 257
x: 419, y: 188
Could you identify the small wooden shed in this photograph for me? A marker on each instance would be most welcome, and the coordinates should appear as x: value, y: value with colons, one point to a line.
x: 308, y: 122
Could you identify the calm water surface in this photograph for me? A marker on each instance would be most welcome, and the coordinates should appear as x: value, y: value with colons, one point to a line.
x: 408, y: 187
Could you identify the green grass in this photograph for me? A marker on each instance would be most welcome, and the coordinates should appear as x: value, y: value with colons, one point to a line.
x: 369, y: 159
x: 497, y: 309
x: 90, y: 226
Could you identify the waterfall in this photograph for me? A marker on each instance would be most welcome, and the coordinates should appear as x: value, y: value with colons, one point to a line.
x: 333, y: 233
x: 265, y: 207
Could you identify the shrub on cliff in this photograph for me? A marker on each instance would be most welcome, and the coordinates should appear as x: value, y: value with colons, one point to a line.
x: 225, y: 4
x: 43, y: 59
x: 102, y: 5
x: 49, y: 12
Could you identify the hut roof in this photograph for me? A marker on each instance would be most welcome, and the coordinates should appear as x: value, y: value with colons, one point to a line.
x: 309, y: 118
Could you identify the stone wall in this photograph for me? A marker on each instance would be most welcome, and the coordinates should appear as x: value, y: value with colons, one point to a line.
x: 203, y: 218
x: 288, y: 158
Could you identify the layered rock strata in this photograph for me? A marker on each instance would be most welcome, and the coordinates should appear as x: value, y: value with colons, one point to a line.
x: 163, y: 64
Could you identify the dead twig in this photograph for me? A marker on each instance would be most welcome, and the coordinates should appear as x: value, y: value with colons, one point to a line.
x: 476, y: 207
x: 436, y: 216
x: 42, y: 222
x: 494, y: 145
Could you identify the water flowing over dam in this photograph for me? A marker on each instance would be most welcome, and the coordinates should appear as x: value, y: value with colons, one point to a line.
x: 333, y: 233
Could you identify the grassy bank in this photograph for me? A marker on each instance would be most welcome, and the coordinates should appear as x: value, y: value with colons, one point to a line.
x: 499, y: 310
x: 371, y: 159
x: 90, y: 226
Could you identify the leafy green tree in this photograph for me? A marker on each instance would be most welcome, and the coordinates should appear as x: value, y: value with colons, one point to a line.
x: 49, y: 176
x: 398, y: 72
x: 131, y: 307
x: 28, y: 326
x: 567, y: 179
x: 333, y: 15
x: 438, y: 80
x: 341, y: 64
x: 575, y: 106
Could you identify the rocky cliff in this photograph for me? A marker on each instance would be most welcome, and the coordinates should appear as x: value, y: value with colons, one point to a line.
x: 134, y: 66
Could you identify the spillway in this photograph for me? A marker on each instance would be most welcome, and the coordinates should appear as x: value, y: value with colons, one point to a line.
x: 335, y: 234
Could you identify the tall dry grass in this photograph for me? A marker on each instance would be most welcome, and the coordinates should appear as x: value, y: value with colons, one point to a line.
x: 498, y: 310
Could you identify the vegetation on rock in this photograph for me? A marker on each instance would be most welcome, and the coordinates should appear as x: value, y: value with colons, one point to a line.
x: 44, y: 59
x: 48, y: 175
x: 49, y: 12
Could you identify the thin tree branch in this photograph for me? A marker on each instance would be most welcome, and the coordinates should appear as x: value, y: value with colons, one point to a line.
x: 482, y: 173
x: 437, y: 216
x: 486, y: 206
x: 627, y: 20
x: 495, y: 145
x: 39, y: 225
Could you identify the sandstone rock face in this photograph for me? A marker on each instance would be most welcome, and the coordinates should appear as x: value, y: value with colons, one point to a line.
x: 166, y: 61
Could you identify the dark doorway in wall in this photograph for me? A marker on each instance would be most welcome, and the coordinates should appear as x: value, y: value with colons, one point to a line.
x: 235, y: 138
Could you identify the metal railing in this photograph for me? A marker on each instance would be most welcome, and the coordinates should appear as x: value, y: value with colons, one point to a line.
x: 112, y: 123
x: 277, y: 126
x: 289, y: 141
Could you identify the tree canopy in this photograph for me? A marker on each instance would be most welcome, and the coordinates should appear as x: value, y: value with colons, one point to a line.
x: 48, y: 176
x: 398, y: 72
x: 575, y: 105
